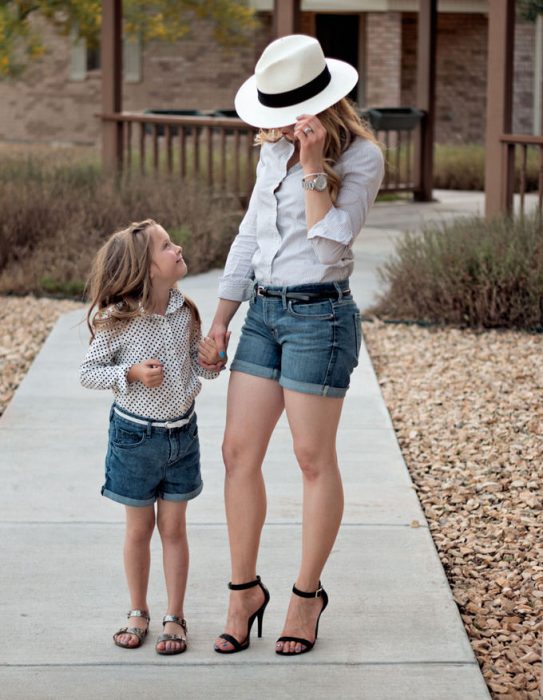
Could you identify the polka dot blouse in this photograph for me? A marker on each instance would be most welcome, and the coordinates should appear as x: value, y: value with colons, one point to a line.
x: 167, y: 338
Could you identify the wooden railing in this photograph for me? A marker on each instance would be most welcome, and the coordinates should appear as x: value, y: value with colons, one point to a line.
x: 522, y: 171
x: 220, y: 151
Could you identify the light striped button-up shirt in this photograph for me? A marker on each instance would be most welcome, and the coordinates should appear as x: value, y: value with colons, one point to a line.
x: 274, y: 247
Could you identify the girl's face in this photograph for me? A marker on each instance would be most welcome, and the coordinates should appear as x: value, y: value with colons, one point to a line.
x: 167, y: 264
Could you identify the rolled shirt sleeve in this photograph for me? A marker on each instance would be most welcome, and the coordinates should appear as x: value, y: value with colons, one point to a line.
x: 237, y: 281
x: 362, y: 173
x: 99, y: 369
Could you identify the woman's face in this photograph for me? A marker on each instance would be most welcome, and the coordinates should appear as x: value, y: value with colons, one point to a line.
x: 287, y: 132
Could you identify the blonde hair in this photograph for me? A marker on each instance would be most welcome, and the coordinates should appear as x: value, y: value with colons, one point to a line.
x: 119, y: 285
x: 343, y: 124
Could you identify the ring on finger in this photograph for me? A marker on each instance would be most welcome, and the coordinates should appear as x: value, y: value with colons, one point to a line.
x: 308, y: 130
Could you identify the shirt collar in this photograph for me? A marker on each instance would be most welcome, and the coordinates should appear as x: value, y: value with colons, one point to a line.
x: 176, y: 301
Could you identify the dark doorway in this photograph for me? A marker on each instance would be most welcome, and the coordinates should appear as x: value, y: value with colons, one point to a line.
x: 338, y: 35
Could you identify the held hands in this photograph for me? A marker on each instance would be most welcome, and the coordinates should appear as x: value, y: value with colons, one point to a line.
x: 212, y: 349
x: 149, y: 372
x: 311, y: 135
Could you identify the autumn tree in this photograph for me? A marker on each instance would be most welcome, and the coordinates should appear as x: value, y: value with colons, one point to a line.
x: 163, y: 20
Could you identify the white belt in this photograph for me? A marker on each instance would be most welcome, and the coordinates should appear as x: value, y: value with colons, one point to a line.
x: 156, y: 424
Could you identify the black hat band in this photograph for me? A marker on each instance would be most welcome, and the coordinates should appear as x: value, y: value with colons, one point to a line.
x: 301, y: 94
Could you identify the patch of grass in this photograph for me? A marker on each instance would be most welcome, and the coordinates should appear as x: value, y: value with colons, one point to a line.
x: 473, y: 272
x: 58, y: 207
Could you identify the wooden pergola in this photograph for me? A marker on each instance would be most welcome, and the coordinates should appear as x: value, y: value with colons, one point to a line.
x: 287, y: 15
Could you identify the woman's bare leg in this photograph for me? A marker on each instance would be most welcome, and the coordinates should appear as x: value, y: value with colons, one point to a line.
x: 313, y: 422
x: 253, y: 409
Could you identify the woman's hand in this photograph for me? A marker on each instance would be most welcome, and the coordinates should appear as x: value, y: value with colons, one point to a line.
x: 217, y: 338
x: 311, y: 136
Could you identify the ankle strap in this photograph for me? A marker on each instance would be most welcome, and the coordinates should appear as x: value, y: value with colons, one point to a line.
x: 312, y: 594
x: 243, y: 586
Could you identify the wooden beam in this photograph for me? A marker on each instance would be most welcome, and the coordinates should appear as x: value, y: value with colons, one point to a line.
x: 286, y: 17
x: 111, y: 70
x: 426, y: 97
x: 499, y: 158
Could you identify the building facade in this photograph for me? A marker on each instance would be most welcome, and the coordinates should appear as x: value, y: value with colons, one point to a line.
x: 58, y: 99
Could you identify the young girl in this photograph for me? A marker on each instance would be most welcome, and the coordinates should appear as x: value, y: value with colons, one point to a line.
x: 144, y: 346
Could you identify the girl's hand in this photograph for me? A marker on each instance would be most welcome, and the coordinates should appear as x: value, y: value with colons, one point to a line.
x: 220, y: 336
x: 311, y: 136
x: 208, y: 353
x: 149, y: 372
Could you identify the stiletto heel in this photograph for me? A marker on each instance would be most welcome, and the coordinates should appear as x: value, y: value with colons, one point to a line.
x: 319, y: 593
x: 259, y: 614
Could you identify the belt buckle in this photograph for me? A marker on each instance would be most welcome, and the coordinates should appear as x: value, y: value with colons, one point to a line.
x: 260, y: 291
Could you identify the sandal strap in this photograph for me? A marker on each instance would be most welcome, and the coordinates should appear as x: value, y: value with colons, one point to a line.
x: 178, y: 621
x: 313, y: 594
x: 243, y: 586
x: 306, y: 642
x: 233, y: 641
x: 138, y: 632
x: 138, y: 613
x: 171, y: 638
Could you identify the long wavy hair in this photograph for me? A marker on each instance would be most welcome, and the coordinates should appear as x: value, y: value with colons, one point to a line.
x: 343, y: 124
x: 119, y: 285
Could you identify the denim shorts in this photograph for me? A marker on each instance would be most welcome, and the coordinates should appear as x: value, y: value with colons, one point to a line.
x: 307, y: 346
x: 145, y: 462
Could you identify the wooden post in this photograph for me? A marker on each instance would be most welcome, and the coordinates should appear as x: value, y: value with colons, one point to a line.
x: 499, y: 158
x: 426, y: 98
x: 111, y: 69
x: 286, y: 17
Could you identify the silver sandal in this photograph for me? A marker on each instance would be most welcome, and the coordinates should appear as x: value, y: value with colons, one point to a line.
x: 138, y: 632
x: 173, y: 637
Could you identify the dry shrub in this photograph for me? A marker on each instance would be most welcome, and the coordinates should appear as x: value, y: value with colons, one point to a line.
x: 462, y: 167
x: 472, y: 272
x: 57, y: 212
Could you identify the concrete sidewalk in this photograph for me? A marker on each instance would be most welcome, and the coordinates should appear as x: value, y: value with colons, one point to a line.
x: 391, y: 631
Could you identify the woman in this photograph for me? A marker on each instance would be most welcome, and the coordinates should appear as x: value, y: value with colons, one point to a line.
x: 316, y: 180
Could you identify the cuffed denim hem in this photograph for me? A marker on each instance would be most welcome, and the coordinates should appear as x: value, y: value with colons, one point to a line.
x: 255, y: 370
x: 182, y: 496
x: 127, y: 501
x: 316, y: 389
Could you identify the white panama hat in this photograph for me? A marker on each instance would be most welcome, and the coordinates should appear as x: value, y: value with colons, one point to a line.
x: 292, y: 77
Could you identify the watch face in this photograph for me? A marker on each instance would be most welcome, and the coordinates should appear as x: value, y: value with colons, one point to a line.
x: 320, y: 183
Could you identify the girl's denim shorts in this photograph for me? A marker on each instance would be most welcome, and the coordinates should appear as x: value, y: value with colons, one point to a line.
x: 145, y: 462
x: 307, y: 346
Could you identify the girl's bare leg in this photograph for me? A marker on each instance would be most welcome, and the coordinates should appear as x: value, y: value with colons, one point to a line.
x: 253, y: 409
x: 140, y: 522
x: 175, y: 552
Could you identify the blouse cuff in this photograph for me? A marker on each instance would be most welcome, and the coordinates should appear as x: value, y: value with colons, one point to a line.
x: 123, y: 386
x: 335, y: 226
x: 236, y: 290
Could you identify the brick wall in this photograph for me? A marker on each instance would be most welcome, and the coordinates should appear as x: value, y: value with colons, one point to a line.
x: 524, y: 78
x: 45, y: 105
x: 461, y: 74
x: 383, y: 59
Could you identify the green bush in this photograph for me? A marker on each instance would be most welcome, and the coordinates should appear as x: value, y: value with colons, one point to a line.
x: 57, y: 209
x: 472, y: 272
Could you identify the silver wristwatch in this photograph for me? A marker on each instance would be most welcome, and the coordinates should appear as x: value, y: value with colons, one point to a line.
x: 319, y: 183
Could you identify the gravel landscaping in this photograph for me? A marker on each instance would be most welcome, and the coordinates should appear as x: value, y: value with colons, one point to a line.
x: 468, y: 412
x: 25, y: 323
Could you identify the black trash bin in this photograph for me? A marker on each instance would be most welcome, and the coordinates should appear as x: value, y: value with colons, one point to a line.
x: 171, y: 113
x: 393, y: 118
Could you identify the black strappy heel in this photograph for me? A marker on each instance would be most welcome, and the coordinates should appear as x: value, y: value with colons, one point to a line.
x: 240, y: 646
x: 319, y: 593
